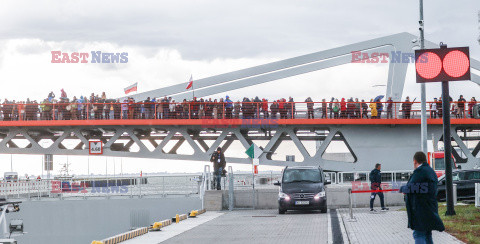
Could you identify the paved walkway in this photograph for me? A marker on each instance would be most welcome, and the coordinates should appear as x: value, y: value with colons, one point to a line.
x: 259, y: 226
x: 267, y: 226
x: 384, y: 227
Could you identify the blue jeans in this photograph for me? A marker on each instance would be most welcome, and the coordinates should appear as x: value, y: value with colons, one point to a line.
x: 422, y: 237
x: 218, y: 176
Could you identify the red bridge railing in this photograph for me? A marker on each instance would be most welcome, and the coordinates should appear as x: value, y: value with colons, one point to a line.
x: 236, y: 110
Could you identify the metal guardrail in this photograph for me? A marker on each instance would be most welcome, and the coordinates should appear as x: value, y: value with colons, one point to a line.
x: 167, y: 185
x: 73, y: 110
x: 363, y: 176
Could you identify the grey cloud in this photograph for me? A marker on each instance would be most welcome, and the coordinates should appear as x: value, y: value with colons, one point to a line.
x: 227, y: 29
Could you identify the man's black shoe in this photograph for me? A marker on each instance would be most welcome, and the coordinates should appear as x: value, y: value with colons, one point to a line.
x: 384, y: 209
x: 373, y: 210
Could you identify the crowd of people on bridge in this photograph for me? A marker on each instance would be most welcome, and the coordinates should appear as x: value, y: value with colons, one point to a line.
x: 100, y: 107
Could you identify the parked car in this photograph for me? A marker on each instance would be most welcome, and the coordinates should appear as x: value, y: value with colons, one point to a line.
x: 302, y: 188
x: 11, y: 176
x: 465, y: 180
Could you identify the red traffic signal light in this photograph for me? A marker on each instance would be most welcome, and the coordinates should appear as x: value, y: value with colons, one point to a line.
x: 442, y: 64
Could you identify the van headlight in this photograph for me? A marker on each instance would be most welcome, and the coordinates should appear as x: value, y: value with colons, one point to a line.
x: 319, y: 195
x: 284, y: 196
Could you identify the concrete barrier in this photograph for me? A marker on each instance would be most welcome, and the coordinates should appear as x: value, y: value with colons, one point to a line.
x: 123, y: 237
x: 337, y: 197
x: 159, y: 225
x: 195, y: 213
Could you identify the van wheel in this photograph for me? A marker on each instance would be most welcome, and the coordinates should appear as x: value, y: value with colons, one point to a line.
x: 282, y: 211
x: 323, y: 209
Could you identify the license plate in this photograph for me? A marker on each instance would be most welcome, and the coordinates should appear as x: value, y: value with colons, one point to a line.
x: 302, y: 202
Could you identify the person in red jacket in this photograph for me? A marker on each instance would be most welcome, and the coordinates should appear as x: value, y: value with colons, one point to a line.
x: 265, y: 108
x: 343, y: 108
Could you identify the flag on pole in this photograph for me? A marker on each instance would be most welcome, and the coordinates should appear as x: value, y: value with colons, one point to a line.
x: 130, y: 88
x: 190, y: 84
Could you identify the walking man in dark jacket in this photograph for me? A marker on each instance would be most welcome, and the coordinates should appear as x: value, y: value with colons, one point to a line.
x: 375, y: 184
x: 218, y: 159
x: 421, y: 200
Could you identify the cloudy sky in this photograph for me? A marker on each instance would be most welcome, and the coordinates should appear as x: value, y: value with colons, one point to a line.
x: 167, y: 41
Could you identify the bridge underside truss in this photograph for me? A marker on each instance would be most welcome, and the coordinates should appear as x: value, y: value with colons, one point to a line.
x: 361, y: 146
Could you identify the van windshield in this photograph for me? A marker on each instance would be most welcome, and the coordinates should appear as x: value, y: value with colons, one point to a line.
x: 302, y: 175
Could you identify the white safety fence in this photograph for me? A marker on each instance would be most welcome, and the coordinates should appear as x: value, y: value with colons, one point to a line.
x: 167, y: 185
x: 266, y: 179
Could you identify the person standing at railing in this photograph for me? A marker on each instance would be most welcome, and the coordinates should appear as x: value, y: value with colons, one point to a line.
x: 146, y: 108
x: 461, y: 107
x: 324, y: 109
x: 375, y: 185
x: 117, y: 109
x: 265, y: 108
x: 455, y: 111
x: 236, y: 109
x: 343, y: 109
x: 373, y: 109
x: 131, y: 108
x: 219, y: 164
x: 406, y: 107
x: 282, y: 106
x: 186, y: 107
x: 351, y: 108
x: 124, y: 107
x: 274, y: 109
x: 310, y: 107
x: 51, y: 96
x: 79, y: 111
x: 390, y: 108
x: 228, y: 107
x: 291, y: 109
x: 336, y: 109
x: 330, y: 106
x: 379, y: 108
x: 172, y: 109
x: 364, y: 110
x: 433, y: 109
x: 471, y: 104
x: 439, y: 107
x: 220, y: 107
x: 358, y: 108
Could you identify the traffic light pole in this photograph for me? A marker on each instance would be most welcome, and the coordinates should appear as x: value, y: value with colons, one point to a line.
x: 447, y: 142
x: 423, y: 96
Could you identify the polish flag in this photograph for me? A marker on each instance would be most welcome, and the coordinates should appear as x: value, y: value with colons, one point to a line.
x: 190, y: 84
x: 130, y: 88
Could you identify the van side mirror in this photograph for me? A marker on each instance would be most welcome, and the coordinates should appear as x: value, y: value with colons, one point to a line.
x: 277, y: 183
x: 459, y: 166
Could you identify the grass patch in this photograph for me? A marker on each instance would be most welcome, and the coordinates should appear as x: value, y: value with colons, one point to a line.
x: 465, y: 226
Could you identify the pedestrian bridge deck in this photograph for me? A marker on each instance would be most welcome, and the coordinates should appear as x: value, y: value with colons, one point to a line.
x: 208, y: 123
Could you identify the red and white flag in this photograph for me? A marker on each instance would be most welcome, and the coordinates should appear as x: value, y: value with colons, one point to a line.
x: 190, y: 84
x: 130, y: 88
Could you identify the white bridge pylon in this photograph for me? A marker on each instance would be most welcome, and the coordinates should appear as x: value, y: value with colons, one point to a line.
x: 401, y: 42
